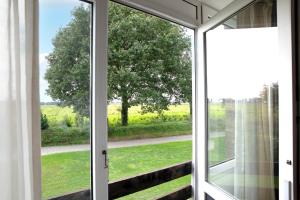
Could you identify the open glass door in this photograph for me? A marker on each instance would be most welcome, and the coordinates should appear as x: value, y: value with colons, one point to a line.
x: 238, y: 104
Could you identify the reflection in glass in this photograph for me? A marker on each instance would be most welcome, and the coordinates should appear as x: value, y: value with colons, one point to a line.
x: 242, y: 92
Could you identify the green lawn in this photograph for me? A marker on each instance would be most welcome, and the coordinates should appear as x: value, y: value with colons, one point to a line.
x: 69, y: 172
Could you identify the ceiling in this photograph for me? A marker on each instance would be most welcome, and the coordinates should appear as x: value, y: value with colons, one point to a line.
x: 217, y: 4
x: 184, y: 12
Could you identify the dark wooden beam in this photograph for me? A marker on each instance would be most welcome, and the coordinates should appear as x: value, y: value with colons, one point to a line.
x: 183, y: 193
x: 135, y: 184
x: 81, y: 195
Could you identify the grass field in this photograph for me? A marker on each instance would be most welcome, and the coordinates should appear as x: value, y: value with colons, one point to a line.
x: 69, y: 172
x: 58, y: 116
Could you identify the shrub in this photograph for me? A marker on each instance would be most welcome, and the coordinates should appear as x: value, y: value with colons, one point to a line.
x: 44, y: 122
x: 55, y: 136
x: 68, y: 121
x: 79, y: 120
x: 159, y: 129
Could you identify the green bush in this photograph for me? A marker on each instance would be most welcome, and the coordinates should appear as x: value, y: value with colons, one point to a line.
x: 44, y: 122
x: 65, y: 136
x: 74, y: 135
x: 68, y: 121
x: 79, y: 120
x: 162, y: 129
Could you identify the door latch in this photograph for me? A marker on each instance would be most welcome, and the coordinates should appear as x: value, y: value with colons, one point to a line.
x: 104, y: 152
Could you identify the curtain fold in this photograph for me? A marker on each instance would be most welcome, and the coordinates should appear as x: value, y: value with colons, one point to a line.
x: 19, y: 101
x: 260, y: 14
x: 256, y: 123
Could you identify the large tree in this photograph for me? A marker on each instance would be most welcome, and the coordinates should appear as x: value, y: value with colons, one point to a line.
x: 68, y: 74
x: 148, y: 61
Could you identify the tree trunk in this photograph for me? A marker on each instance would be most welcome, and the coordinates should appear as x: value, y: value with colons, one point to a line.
x: 191, y: 108
x: 124, y: 111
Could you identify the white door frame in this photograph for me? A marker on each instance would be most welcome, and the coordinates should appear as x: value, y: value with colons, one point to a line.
x: 99, y: 108
x: 286, y: 102
x: 99, y: 169
x: 99, y: 63
x: 201, y: 186
x: 287, y: 99
x: 99, y: 80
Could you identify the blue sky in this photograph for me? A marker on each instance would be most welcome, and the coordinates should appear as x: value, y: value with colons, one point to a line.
x: 54, y: 14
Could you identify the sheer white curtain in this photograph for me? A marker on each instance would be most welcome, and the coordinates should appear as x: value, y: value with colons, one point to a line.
x: 256, y: 130
x: 19, y: 111
x: 256, y: 122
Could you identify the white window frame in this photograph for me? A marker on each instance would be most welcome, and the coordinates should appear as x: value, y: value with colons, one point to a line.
x: 99, y: 170
x: 99, y: 185
x: 99, y: 62
x: 287, y: 116
x: 100, y: 36
x: 100, y: 48
x: 287, y: 101
x: 202, y: 187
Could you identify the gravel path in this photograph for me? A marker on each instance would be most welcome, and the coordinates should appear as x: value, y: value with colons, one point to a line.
x: 118, y: 144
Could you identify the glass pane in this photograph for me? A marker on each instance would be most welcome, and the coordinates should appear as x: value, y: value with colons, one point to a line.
x: 65, y: 30
x: 242, y: 92
x: 150, y: 93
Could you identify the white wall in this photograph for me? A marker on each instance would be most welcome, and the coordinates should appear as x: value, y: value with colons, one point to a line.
x: 217, y: 4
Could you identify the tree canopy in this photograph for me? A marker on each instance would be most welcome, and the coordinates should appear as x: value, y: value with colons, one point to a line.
x: 149, y: 61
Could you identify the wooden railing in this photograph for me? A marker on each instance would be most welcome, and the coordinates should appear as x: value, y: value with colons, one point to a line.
x: 142, y: 182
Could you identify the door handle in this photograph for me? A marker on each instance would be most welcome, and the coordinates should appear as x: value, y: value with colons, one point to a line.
x: 104, y: 153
